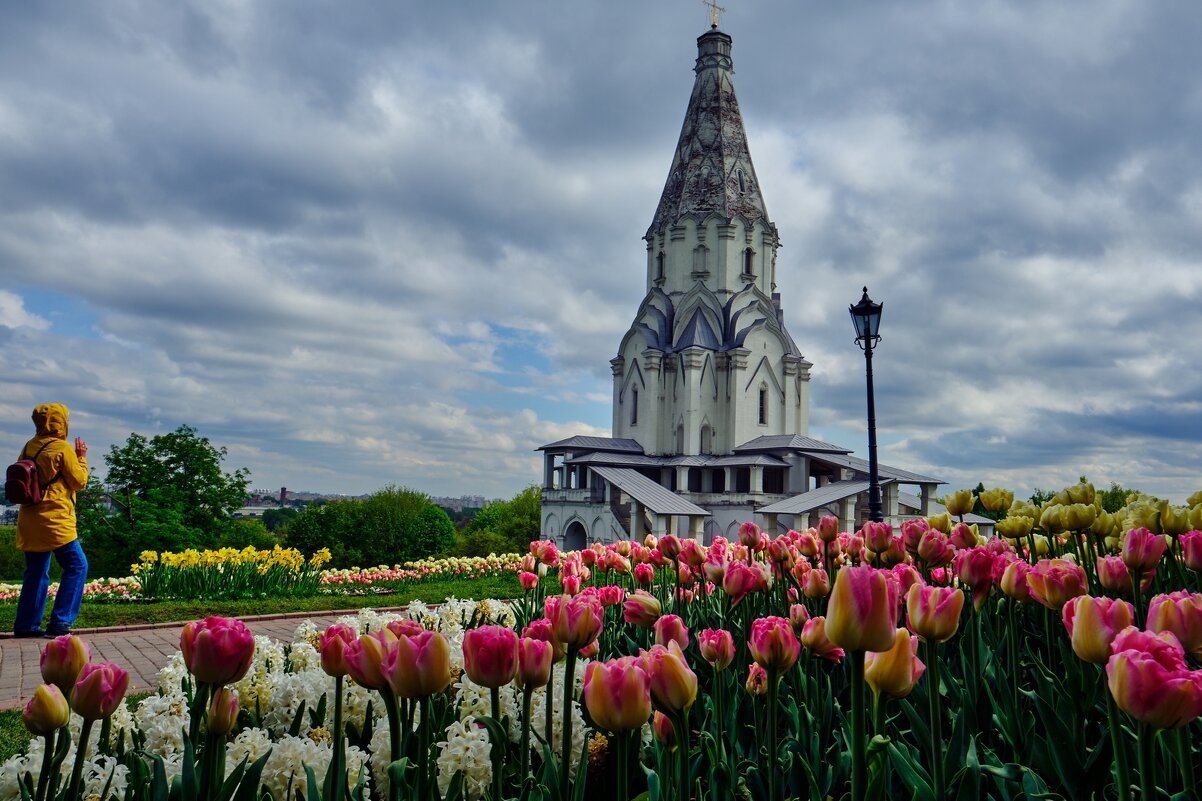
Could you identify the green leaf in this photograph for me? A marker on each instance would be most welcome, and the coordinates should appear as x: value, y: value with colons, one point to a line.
x: 298, y: 720
x: 912, y: 775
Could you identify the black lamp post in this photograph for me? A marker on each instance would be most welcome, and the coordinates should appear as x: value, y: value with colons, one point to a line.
x: 866, y: 316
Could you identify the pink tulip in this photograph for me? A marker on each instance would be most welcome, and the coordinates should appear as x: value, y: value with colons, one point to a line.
x: 611, y: 595
x: 673, y: 683
x: 332, y: 645
x: 644, y: 574
x: 798, y: 615
x: 1054, y: 581
x: 1093, y: 623
x: 578, y: 621
x: 367, y: 656
x: 861, y: 614
x: 641, y: 609
x: 741, y: 580
x: 490, y: 655
x: 757, y: 680
x: 542, y: 629
x: 62, y: 659
x: 665, y: 732
x: 571, y: 584
x: 974, y: 568
x: 933, y: 613
x: 773, y: 644
x: 217, y: 650
x: 1191, y: 549
x: 670, y: 628
x: 1014, y: 581
x: 46, y: 711
x: 817, y: 584
x: 717, y: 647
x: 906, y: 576
x: 912, y: 532
x: 223, y: 712
x: 527, y: 581
x: 1149, y: 680
x: 535, y: 658
x: 692, y: 553
x: 877, y: 536
x: 749, y: 535
x: 828, y: 528
x: 1181, y: 613
x: 813, y: 637
x: 99, y: 689
x: 617, y: 694
x: 1142, y: 549
x: 418, y: 665
x: 934, y: 549
x: 669, y: 546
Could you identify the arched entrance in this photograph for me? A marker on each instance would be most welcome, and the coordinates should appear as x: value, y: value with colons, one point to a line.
x: 575, y: 538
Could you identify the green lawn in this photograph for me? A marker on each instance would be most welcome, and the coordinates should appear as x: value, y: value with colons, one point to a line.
x: 95, y: 615
x: 14, y: 737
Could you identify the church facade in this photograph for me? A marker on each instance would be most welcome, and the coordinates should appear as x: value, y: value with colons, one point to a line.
x: 710, y: 392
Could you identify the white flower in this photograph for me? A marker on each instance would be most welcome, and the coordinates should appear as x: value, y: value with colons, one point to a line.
x: 163, y: 719
x: 303, y: 656
x: 466, y: 749
x: 476, y: 702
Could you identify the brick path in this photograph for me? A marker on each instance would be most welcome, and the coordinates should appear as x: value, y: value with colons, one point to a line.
x: 142, y: 650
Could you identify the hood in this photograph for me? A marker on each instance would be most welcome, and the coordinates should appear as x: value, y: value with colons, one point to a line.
x: 51, y: 420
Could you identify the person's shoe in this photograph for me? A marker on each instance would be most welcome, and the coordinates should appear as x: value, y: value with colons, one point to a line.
x: 28, y: 633
x: 56, y: 632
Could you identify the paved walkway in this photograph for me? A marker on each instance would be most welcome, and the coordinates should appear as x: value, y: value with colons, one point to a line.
x: 142, y: 650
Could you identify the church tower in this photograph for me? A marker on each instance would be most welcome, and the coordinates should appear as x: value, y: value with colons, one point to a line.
x: 707, y: 364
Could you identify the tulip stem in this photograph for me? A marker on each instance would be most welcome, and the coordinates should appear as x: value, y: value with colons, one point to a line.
x: 85, y: 731
x: 394, y: 722
x: 773, y: 758
x: 1119, y: 747
x: 44, y: 774
x: 423, y: 749
x: 527, y: 693
x: 1147, y: 762
x: 498, y: 748
x: 932, y: 649
x: 338, y: 752
x: 549, y: 711
x: 200, y: 703
x: 682, y: 748
x: 569, y: 681
x: 859, y: 761
x: 1187, y: 759
x: 622, y: 788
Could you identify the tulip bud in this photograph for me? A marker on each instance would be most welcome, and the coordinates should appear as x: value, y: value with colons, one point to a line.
x: 817, y: 584
x: 223, y: 712
x: 774, y: 645
x: 1015, y: 527
x: 1142, y: 549
x: 740, y: 580
x: 933, y: 613
x: 673, y: 683
x: 964, y: 536
x: 828, y: 528
x: 98, y: 690
x: 862, y: 612
x: 665, y: 732
x: 641, y: 609
x: 757, y: 680
x: 692, y: 553
x: 62, y: 659
x: 46, y: 711
x: 749, y: 535
x: 670, y: 628
x: 798, y: 615
x: 418, y: 665
x: 941, y: 523
x: 333, y: 644
x: 528, y: 581
x: 1181, y: 613
x: 217, y: 650
x: 1093, y: 623
x: 534, y: 662
x: 490, y: 655
x: 996, y: 500
x: 1014, y: 581
x: 1191, y: 549
x: 974, y: 568
x: 896, y: 671
x: 813, y: 637
x: 578, y: 621
x: 365, y: 658
x: 669, y: 546
x: 617, y: 694
x: 542, y: 629
x: 717, y: 647
x: 1149, y: 680
x: 877, y: 536
x: 934, y: 548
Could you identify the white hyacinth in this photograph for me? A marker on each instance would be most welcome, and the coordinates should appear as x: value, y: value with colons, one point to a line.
x: 467, y: 749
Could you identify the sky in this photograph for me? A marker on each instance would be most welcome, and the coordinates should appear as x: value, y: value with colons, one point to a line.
x: 372, y: 243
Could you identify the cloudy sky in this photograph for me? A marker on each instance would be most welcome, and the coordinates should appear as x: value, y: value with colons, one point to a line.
x: 398, y: 242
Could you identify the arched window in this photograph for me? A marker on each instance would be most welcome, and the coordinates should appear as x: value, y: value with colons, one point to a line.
x: 634, y: 407
x: 680, y: 439
x: 659, y: 266
x: 763, y: 406
x: 742, y: 184
x: 707, y: 437
x: 749, y: 262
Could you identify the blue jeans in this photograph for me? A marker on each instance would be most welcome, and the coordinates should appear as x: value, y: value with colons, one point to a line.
x: 31, y: 606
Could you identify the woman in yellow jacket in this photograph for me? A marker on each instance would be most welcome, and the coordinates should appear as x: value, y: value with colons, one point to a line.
x: 48, y: 527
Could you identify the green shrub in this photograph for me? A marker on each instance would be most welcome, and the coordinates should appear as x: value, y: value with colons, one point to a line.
x: 12, y: 561
x: 518, y: 520
x: 242, y: 532
x: 393, y: 525
x: 482, y: 543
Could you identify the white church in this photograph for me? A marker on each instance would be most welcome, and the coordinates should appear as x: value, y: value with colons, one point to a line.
x: 711, y: 395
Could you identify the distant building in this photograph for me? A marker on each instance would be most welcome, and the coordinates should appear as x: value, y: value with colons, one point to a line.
x: 710, y: 392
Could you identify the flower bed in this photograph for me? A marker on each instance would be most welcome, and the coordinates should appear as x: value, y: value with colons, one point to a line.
x: 1056, y: 660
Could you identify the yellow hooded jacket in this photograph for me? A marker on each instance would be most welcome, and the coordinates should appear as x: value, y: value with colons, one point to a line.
x: 50, y: 524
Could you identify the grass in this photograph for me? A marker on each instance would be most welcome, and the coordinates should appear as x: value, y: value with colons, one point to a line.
x: 114, y: 613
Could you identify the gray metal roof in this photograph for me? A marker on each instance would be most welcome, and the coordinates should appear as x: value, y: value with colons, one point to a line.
x: 915, y: 502
x: 883, y: 470
x: 794, y: 442
x: 656, y: 498
x: 816, y: 498
x: 748, y: 460
x: 629, y: 459
x: 595, y: 444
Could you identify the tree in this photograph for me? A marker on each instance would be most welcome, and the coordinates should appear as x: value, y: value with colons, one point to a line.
x: 518, y: 520
x: 390, y: 526
x: 277, y: 519
x: 167, y: 492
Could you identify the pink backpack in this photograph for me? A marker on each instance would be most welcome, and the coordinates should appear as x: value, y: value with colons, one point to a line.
x: 21, y: 484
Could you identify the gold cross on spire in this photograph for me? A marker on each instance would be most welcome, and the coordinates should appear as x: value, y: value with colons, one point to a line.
x: 714, y: 8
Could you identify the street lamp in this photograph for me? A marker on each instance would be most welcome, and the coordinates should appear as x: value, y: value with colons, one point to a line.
x: 866, y: 316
